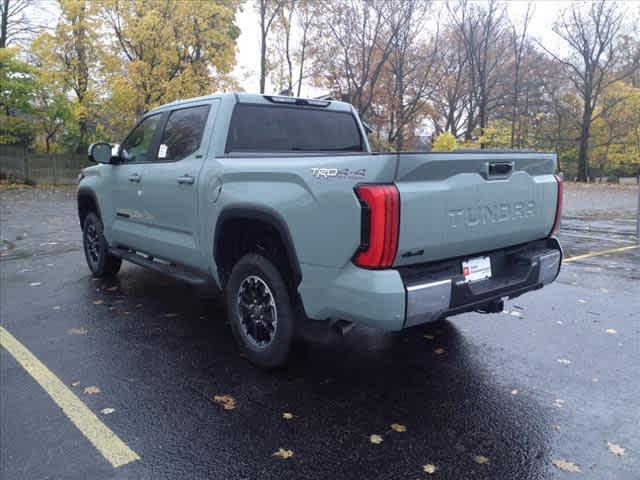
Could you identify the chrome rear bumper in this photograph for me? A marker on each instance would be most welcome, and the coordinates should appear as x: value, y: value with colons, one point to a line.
x: 516, y: 271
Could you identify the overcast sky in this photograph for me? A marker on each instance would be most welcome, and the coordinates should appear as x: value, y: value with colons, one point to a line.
x: 248, y: 55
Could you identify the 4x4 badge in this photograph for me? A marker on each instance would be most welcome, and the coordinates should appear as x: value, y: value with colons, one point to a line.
x: 339, y: 173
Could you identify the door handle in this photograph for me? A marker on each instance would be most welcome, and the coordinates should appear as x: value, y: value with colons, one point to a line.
x: 500, y: 168
x: 188, y: 179
x: 135, y: 177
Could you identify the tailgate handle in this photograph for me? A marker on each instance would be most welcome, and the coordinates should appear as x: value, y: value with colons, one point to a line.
x: 500, y: 169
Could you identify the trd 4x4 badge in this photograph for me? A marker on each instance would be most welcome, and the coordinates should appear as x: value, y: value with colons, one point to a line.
x: 339, y: 173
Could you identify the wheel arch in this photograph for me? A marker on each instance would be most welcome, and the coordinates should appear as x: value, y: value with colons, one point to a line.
x: 262, y: 215
x: 87, y: 202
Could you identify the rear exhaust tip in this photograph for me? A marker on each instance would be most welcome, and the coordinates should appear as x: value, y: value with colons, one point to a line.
x: 494, y: 306
x: 342, y: 327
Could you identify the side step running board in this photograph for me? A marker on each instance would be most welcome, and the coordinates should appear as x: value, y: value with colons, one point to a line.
x: 170, y: 270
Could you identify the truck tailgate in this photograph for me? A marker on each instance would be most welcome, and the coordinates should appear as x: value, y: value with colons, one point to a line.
x: 455, y: 204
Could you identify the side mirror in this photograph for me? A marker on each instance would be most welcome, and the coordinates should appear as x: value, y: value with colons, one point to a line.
x: 100, y: 152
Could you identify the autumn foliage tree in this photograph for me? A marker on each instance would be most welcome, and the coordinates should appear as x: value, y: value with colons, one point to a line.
x: 161, y: 50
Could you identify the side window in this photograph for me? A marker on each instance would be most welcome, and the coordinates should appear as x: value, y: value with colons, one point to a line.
x: 135, y: 148
x: 183, y: 133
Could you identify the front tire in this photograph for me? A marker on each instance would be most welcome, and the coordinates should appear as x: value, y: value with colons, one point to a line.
x: 259, y: 311
x: 96, y: 249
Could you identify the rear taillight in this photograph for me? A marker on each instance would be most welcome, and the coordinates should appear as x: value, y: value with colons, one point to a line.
x: 556, y: 223
x: 380, y: 225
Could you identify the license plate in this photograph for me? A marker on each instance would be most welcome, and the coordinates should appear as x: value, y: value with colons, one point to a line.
x: 475, y: 269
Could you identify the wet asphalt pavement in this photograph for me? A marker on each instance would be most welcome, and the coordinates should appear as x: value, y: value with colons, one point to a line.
x: 501, y: 396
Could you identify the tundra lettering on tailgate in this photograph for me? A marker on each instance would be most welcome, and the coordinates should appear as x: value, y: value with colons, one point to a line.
x: 487, y: 214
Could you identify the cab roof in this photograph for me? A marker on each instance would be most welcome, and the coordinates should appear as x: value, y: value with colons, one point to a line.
x: 267, y: 99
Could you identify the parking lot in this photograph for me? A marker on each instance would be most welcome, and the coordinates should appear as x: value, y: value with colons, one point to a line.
x: 138, y: 377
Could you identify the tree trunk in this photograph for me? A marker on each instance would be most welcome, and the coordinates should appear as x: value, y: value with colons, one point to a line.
x: 514, y: 108
x: 5, y: 23
x: 263, y: 44
x: 302, y: 53
x: 583, y: 153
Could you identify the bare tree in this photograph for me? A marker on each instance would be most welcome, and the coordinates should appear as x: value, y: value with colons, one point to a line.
x: 15, y: 24
x: 305, y: 19
x: 357, y: 48
x: 412, y: 64
x: 518, y: 45
x: 593, y: 35
x: 451, y: 94
x: 481, y: 29
x: 268, y: 10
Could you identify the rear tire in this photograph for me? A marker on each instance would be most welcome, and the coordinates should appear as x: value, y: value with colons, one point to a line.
x: 260, y: 311
x: 96, y: 248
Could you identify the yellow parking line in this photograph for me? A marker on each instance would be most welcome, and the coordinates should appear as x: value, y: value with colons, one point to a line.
x: 601, y: 252
x: 114, y: 450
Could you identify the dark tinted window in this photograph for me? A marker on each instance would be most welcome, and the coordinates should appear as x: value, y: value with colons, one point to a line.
x: 183, y: 133
x: 285, y: 129
x: 136, y: 146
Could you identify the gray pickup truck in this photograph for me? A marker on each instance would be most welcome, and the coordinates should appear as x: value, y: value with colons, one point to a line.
x: 280, y: 204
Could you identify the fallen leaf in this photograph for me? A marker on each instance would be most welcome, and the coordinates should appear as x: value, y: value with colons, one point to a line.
x: 282, y: 453
x: 376, y: 439
x: 564, y: 361
x: 287, y: 416
x: 480, y: 459
x: 566, y: 465
x: 429, y: 468
x: 617, y: 450
x: 429, y: 337
x: 227, y: 401
x: 35, y: 284
x: 107, y: 411
x: 439, y: 351
x: 611, y: 331
x: 398, y: 427
x: 77, y: 331
x: 98, y: 302
x: 91, y: 390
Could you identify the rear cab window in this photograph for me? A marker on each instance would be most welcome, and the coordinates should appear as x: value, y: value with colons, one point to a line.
x: 289, y: 129
x: 182, y: 133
